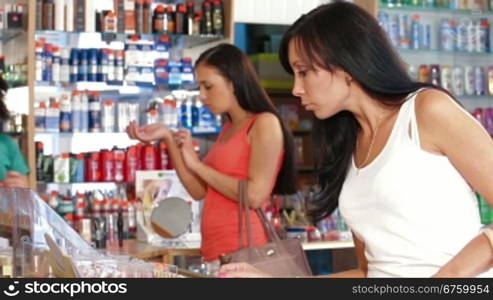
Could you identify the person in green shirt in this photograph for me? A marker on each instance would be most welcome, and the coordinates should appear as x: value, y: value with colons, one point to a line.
x: 13, y: 167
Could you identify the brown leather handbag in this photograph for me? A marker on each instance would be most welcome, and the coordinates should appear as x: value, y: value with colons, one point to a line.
x: 283, y: 258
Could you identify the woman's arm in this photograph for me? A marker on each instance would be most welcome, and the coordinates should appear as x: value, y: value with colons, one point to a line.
x: 15, y: 179
x: 266, y: 140
x: 194, y: 185
x: 148, y: 133
x: 445, y: 128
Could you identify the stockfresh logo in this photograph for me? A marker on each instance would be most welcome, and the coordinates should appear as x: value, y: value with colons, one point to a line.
x: 12, y: 290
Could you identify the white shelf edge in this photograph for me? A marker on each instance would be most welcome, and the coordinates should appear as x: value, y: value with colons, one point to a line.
x: 328, y: 245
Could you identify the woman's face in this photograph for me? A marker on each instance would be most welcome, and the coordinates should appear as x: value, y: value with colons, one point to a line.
x: 321, y: 91
x: 216, y: 92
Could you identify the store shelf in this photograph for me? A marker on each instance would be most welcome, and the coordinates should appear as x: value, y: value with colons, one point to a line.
x: 325, y: 245
x: 45, y: 87
x: 81, y: 187
x: 85, y: 134
x: 475, y: 97
x: 15, y: 134
x: 188, y: 41
x: 82, y: 183
x: 119, y: 135
x: 205, y: 131
x: 16, y: 84
x: 8, y: 34
x: 431, y: 10
x: 442, y: 53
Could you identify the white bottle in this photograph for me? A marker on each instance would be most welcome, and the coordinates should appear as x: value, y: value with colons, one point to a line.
x: 76, y: 111
x: 52, y: 119
x: 69, y: 25
x: 133, y: 112
x: 111, y: 65
x: 179, y: 113
x: 84, y: 108
x: 40, y: 117
x: 123, y: 118
x: 60, y: 15
x: 56, y: 67
x: 65, y: 113
x: 65, y: 66
x: 39, y: 60
x: 108, y: 115
x: 90, y: 16
x: 169, y: 117
x: 61, y: 168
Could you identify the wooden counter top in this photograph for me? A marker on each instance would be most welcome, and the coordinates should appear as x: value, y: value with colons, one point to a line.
x: 145, y: 251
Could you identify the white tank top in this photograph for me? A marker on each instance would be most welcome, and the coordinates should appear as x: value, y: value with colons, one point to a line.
x: 411, y: 208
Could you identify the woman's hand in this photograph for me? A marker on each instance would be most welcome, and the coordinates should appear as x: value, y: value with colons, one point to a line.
x: 241, y: 270
x: 149, y: 133
x: 184, y: 141
x: 15, y: 179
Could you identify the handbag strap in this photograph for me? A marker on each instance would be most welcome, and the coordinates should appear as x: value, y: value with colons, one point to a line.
x: 268, y: 227
x: 244, y: 209
x: 241, y: 194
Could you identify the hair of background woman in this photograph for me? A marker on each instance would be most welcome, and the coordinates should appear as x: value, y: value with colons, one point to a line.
x: 342, y: 35
x: 234, y: 66
x: 4, y: 112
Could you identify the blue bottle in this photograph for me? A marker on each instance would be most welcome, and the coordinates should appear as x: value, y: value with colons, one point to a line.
x: 74, y: 65
x: 83, y: 64
x: 103, y: 62
x: 48, y: 64
x: 78, y: 172
x: 92, y: 70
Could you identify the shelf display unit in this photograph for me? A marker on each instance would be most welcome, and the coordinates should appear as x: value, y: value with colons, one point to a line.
x: 120, y: 70
x: 446, y: 45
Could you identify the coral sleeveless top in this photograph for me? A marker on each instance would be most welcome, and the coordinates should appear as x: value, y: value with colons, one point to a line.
x: 220, y: 214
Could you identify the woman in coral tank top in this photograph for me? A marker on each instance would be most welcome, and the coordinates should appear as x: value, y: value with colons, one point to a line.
x: 254, y: 144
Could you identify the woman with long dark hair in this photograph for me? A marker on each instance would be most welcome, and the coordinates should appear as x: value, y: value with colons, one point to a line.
x: 398, y: 157
x: 13, y: 167
x: 254, y: 144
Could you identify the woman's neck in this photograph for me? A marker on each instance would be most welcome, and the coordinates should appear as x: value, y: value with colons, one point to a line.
x: 369, y: 112
x: 238, y: 116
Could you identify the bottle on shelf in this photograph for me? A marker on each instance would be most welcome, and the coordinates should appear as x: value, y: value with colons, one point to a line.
x: 189, y: 24
x: 39, y: 161
x: 108, y: 117
x: 207, y: 19
x: 94, y: 112
x: 180, y: 19
x: 218, y: 17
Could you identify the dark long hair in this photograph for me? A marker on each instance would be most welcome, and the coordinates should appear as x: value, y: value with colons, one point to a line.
x: 4, y: 112
x: 235, y: 67
x: 342, y: 35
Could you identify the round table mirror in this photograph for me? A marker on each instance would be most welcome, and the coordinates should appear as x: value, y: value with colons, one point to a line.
x: 171, y: 217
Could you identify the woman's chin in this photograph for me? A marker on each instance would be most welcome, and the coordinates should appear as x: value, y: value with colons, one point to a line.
x: 322, y: 115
